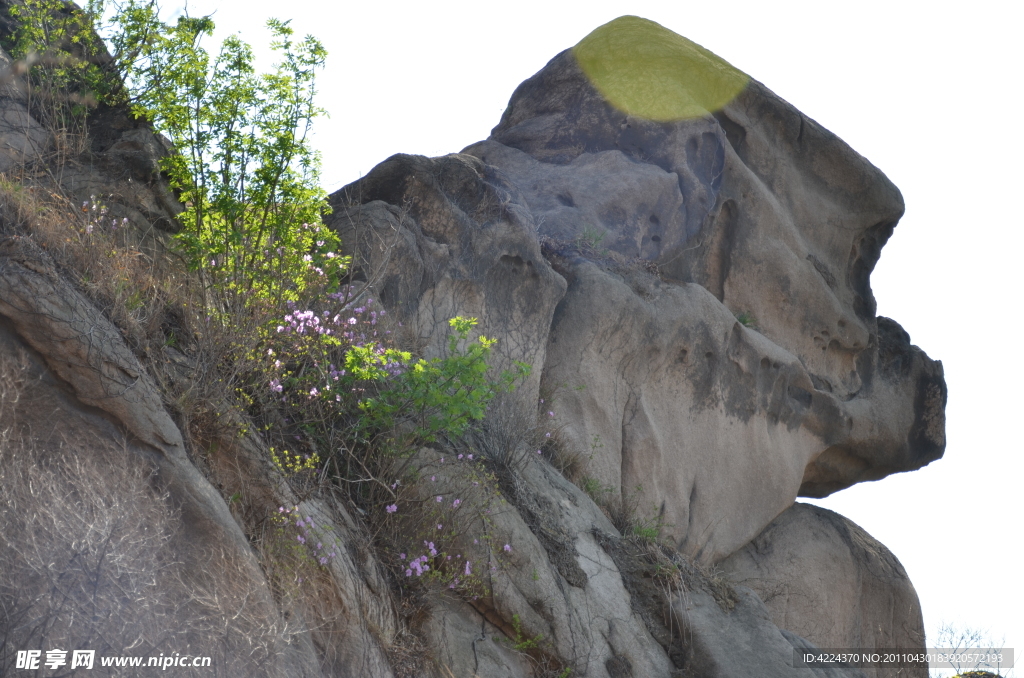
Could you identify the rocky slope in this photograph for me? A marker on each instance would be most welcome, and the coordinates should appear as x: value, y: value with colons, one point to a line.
x: 687, y: 267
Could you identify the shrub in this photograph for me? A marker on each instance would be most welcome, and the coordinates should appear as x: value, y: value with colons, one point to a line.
x: 244, y: 168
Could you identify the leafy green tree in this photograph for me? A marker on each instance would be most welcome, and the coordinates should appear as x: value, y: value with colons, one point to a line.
x: 64, y: 60
x: 245, y: 169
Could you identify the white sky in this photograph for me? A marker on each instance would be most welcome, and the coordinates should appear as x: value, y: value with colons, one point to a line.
x: 923, y: 90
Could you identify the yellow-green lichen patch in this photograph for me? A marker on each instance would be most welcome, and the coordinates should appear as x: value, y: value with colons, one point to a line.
x: 647, y: 71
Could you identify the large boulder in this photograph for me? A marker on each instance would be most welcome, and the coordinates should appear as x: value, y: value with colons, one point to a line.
x: 824, y: 578
x: 719, y: 327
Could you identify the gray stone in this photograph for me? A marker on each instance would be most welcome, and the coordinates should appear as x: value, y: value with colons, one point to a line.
x: 824, y: 578
x: 741, y: 641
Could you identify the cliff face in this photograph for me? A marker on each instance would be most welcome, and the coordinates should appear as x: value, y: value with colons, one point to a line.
x: 687, y: 268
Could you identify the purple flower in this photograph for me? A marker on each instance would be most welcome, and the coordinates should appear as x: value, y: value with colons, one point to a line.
x: 455, y: 504
x: 469, y: 570
x: 439, y: 526
x: 551, y: 414
x: 438, y: 499
x: 392, y: 508
x: 401, y: 556
x: 507, y: 548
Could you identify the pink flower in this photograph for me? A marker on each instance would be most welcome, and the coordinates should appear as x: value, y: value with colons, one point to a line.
x: 507, y: 548
x: 401, y: 556
x: 392, y: 508
x: 438, y: 499
x: 455, y: 504
x: 469, y: 571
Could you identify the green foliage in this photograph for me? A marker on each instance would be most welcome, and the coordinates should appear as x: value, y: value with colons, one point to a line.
x: 747, y: 320
x: 594, y: 489
x: 646, y: 531
x: 520, y: 642
x: 245, y: 170
x: 442, y: 396
x: 589, y: 237
x: 62, y: 56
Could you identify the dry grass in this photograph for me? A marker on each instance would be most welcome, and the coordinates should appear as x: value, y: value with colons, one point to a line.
x: 90, y: 561
x: 131, y: 281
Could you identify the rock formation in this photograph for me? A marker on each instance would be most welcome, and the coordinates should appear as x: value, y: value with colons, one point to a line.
x: 685, y: 262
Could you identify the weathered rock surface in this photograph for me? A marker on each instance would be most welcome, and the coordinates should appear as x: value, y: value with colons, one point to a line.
x: 741, y: 640
x: 84, y: 402
x: 21, y: 136
x: 558, y: 581
x: 757, y: 213
x: 450, y: 236
x: 824, y: 578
